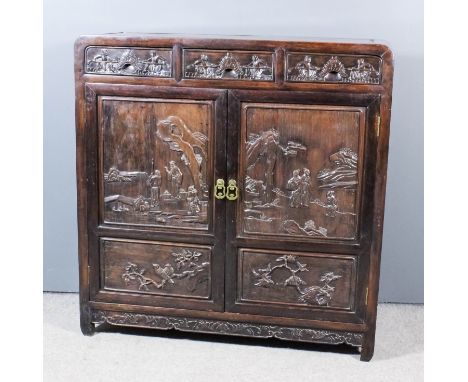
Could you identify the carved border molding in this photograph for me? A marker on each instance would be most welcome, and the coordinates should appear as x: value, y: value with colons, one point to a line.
x: 226, y: 327
x: 315, y: 67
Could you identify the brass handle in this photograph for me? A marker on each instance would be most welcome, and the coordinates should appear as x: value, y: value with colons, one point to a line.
x: 232, y: 192
x: 219, y: 189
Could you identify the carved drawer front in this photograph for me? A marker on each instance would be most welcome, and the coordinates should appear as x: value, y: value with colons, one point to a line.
x: 296, y: 279
x: 156, y: 268
x: 301, y: 171
x: 314, y: 67
x: 156, y: 162
x: 228, y: 65
x: 129, y: 61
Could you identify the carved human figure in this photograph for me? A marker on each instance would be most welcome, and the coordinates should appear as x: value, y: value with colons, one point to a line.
x: 362, y: 72
x: 305, y: 69
x: 193, y: 200
x: 154, y: 181
x: 103, y: 60
x: 155, y: 63
x: 203, y: 67
x: 174, y: 177
x: 256, y: 67
x: 305, y: 187
x: 331, y: 206
x: 294, y: 185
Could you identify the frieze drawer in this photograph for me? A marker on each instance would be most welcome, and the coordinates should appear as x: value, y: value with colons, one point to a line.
x: 228, y: 65
x: 313, y: 67
x: 145, y: 62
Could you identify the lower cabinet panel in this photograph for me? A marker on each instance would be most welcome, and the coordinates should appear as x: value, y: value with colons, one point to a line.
x: 156, y: 268
x: 296, y: 282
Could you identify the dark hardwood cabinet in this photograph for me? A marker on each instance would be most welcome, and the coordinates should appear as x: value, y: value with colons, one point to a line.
x: 232, y: 185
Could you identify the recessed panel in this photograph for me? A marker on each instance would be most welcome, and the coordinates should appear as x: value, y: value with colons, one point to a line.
x: 296, y: 279
x: 301, y: 171
x: 156, y: 162
x: 166, y: 269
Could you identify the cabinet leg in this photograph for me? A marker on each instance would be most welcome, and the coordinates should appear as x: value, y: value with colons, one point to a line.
x: 367, y: 349
x: 87, y: 327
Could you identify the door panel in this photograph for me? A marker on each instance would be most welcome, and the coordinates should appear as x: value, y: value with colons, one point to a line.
x: 301, y: 170
x: 157, y: 161
x: 298, y: 235
x: 152, y: 156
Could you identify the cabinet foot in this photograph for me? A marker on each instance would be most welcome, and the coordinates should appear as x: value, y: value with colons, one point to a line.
x: 367, y: 348
x: 87, y: 327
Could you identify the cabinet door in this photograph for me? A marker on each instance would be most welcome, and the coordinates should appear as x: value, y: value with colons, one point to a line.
x: 303, y: 165
x: 153, y: 155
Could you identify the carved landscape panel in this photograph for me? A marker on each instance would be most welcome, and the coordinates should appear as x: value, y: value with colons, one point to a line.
x: 142, y: 62
x: 311, y: 280
x: 156, y: 268
x: 156, y: 162
x: 228, y: 65
x: 313, y: 67
x: 301, y: 171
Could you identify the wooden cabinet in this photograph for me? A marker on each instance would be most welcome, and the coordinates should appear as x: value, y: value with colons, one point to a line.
x: 232, y: 186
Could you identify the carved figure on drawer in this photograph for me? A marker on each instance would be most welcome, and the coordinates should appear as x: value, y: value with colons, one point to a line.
x: 304, y: 70
x: 156, y: 64
x: 257, y: 68
x: 313, y: 295
x: 343, y: 174
x: 204, y: 68
x: 363, y: 72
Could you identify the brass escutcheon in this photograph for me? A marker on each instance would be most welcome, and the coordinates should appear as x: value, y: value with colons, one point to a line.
x: 219, y: 189
x: 232, y: 192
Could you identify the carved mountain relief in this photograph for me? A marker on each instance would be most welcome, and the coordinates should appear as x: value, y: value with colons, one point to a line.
x: 301, y: 171
x: 156, y: 161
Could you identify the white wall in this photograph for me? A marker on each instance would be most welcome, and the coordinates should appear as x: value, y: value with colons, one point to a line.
x: 399, y: 22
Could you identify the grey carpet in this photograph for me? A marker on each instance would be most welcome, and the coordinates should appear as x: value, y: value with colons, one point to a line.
x: 171, y: 356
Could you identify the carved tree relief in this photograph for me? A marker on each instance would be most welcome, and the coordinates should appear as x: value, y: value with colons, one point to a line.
x: 156, y: 268
x: 301, y: 170
x: 187, y: 264
x: 316, y: 294
x: 299, y: 279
